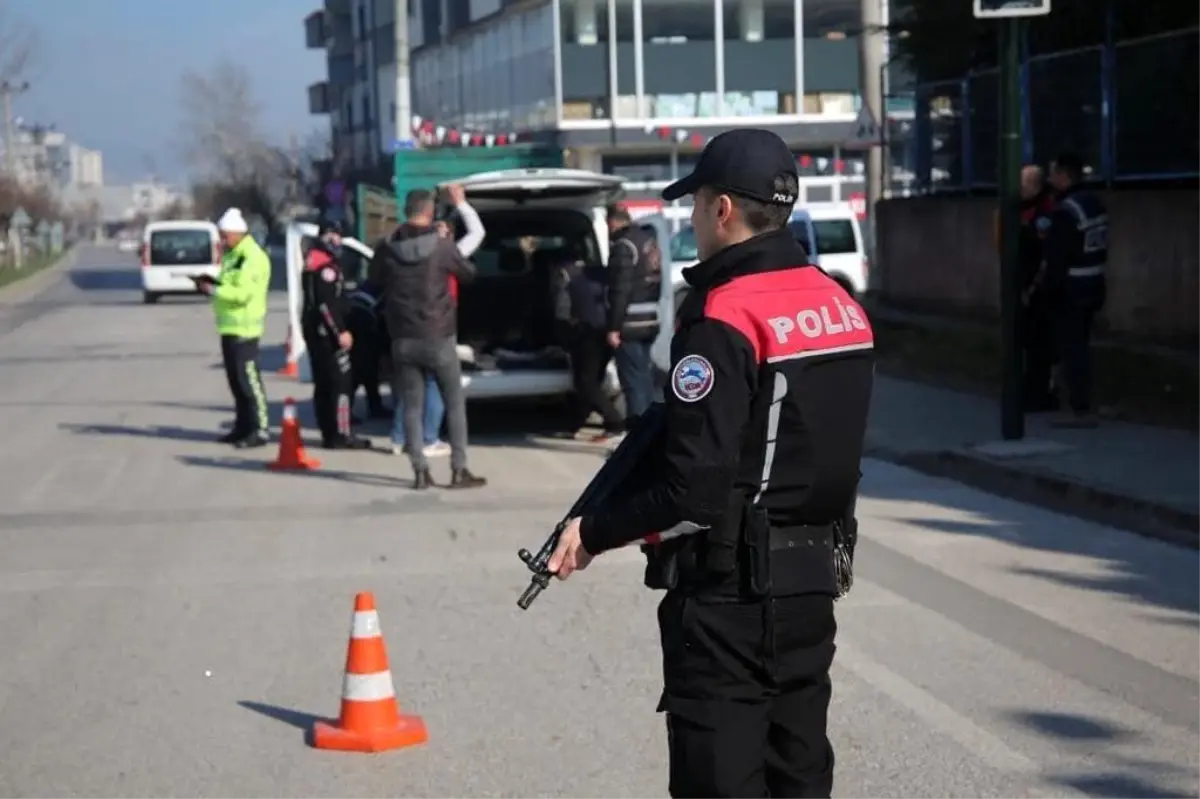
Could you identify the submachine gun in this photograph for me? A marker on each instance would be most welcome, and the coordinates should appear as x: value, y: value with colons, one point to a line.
x: 621, y: 463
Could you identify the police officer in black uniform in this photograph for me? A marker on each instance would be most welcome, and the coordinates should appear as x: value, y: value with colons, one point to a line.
x: 1036, y: 207
x: 750, y: 514
x: 635, y: 278
x: 1076, y: 254
x: 322, y: 320
x: 364, y: 320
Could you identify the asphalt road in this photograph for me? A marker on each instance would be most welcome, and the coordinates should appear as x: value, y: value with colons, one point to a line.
x: 172, y: 615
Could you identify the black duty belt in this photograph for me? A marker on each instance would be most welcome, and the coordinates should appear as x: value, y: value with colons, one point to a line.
x: 806, y: 536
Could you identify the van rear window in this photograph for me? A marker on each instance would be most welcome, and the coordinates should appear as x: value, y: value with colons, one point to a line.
x: 180, y: 248
x: 835, y: 236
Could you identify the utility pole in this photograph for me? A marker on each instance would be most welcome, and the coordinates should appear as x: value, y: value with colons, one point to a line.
x: 870, y: 44
x: 8, y: 90
x: 404, y: 112
x: 1010, y: 14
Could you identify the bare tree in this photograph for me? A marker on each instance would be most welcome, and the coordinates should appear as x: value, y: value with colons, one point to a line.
x: 19, y: 47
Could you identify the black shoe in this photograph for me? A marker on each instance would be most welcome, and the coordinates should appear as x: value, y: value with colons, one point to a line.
x: 462, y: 478
x: 232, y: 437
x: 252, y: 441
x: 346, y: 442
x: 423, y: 480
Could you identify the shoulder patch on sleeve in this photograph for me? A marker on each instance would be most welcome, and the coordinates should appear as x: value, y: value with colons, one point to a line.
x: 692, y: 378
x: 328, y: 274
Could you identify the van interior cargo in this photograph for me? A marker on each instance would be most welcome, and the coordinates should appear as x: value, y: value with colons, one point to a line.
x: 180, y: 247
x: 506, y: 314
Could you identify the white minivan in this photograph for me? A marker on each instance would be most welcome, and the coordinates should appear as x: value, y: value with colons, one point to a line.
x: 174, y: 252
x: 829, y: 232
x: 535, y: 219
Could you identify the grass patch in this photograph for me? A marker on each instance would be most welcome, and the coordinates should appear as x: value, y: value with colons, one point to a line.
x: 1137, y: 385
x: 10, y: 274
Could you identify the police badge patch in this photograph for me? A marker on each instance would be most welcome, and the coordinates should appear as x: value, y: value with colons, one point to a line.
x: 692, y: 378
x: 329, y: 274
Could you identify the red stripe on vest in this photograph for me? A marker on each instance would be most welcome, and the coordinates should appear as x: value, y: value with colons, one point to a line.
x: 792, y: 313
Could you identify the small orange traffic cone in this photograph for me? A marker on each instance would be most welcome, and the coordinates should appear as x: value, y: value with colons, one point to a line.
x: 371, y: 720
x: 289, y: 368
x: 291, y: 445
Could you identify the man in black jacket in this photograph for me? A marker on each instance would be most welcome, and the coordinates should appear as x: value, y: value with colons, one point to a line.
x: 414, y: 265
x: 635, y: 278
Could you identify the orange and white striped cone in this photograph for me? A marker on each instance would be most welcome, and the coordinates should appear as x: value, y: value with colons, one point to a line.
x: 371, y: 720
x: 289, y: 368
x: 292, y: 455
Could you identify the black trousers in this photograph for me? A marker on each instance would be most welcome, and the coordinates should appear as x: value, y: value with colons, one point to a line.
x: 746, y: 695
x: 590, y: 355
x: 1038, y: 345
x: 332, y: 385
x: 364, y: 367
x: 1074, y: 334
x: 240, y: 356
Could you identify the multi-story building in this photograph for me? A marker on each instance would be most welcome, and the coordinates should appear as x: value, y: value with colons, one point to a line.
x: 86, y: 167
x: 629, y: 87
x: 44, y: 156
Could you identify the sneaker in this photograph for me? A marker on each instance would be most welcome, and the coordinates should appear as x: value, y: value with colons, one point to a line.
x: 399, y: 449
x: 437, y: 449
x: 253, y: 441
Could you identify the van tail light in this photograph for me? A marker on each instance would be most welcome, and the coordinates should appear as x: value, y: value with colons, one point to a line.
x: 216, y: 253
x: 144, y: 255
x: 866, y: 268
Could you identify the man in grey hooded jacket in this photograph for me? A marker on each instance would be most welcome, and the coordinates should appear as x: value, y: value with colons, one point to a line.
x: 415, y: 265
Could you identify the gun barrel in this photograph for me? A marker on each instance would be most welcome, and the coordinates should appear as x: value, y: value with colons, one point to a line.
x: 531, y: 593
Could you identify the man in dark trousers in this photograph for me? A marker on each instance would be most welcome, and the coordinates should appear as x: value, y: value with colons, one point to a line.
x: 322, y: 320
x: 635, y: 279
x: 581, y: 314
x: 751, y: 503
x: 1076, y: 253
x: 415, y: 265
x: 1037, y: 205
x: 364, y: 320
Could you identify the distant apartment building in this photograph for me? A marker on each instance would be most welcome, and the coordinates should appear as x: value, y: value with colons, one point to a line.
x: 44, y: 156
x: 629, y: 87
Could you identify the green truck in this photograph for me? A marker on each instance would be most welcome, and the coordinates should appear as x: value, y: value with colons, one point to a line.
x: 378, y: 208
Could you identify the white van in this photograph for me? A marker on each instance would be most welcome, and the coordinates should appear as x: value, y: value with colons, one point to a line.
x: 829, y: 232
x: 174, y: 252
x: 535, y: 219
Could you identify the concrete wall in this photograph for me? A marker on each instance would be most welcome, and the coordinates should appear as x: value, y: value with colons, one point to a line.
x: 939, y: 254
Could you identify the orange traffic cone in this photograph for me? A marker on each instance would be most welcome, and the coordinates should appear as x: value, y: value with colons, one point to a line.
x: 289, y: 368
x: 291, y: 444
x: 371, y: 720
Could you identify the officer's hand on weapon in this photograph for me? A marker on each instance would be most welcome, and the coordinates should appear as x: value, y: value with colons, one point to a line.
x: 569, y: 556
x: 345, y: 340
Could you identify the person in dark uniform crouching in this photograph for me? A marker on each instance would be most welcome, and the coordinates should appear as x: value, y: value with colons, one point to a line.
x: 751, y: 512
x: 1076, y: 253
x: 369, y: 337
x: 322, y: 320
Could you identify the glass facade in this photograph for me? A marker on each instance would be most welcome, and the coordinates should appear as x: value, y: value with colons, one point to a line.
x: 498, y: 78
x: 708, y: 58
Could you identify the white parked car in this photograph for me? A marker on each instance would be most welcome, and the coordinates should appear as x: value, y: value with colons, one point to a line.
x: 535, y: 219
x: 174, y: 252
x: 829, y: 232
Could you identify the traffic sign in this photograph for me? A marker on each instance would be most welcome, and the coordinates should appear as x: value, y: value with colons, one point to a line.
x: 1007, y: 9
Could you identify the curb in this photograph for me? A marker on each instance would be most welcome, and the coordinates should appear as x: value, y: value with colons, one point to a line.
x: 1054, y: 492
x: 27, y: 287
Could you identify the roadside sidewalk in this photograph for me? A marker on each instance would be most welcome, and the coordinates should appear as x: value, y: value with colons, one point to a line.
x: 1140, y: 478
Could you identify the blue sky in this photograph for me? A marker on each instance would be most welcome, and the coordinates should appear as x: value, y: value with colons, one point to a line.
x: 108, y: 72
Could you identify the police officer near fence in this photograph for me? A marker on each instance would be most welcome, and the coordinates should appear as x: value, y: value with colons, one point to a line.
x: 751, y: 515
x: 323, y: 322
x: 1076, y: 253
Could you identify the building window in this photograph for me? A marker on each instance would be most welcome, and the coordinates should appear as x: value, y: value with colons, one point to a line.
x: 584, y: 28
x: 760, y: 57
x: 831, y: 64
x: 679, y: 57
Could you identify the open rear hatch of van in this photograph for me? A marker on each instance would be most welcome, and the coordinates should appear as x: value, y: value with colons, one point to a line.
x: 537, y: 220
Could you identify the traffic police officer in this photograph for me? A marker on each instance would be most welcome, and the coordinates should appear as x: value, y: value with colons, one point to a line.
x: 239, y: 302
x: 1076, y: 253
x: 322, y: 319
x: 751, y: 515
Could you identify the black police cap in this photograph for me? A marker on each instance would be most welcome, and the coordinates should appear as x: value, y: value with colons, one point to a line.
x: 330, y: 226
x: 751, y: 162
